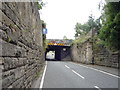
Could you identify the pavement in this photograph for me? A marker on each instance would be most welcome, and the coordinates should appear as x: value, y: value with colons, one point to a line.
x: 60, y: 74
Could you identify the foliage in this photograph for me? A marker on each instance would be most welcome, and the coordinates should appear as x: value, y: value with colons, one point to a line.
x: 40, y: 4
x: 45, y: 42
x: 82, y: 29
x: 97, y: 43
x: 110, y: 31
x: 81, y: 39
x: 92, y: 24
x: 43, y: 24
x: 65, y: 38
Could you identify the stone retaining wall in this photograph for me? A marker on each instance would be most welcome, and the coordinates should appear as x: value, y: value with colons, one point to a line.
x: 82, y: 52
x: 106, y: 57
x: 21, y: 50
x: 85, y: 53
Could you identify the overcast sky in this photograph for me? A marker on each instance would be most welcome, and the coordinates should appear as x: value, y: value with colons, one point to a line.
x: 62, y: 15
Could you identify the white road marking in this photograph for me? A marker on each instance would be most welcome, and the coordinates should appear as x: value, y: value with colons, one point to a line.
x: 97, y: 87
x: 43, y: 76
x: 67, y: 67
x: 101, y: 71
x: 105, y: 72
x: 78, y: 74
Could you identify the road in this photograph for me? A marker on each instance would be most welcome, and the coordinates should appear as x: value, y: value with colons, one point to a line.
x: 71, y: 75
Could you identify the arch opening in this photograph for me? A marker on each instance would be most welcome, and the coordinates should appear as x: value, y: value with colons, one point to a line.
x: 50, y: 55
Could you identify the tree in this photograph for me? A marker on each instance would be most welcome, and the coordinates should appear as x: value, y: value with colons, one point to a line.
x: 82, y: 29
x: 110, y: 31
x: 40, y: 4
x: 65, y: 37
x: 94, y: 24
x: 91, y: 22
x: 78, y: 29
x: 44, y: 35
x: 43, y: 24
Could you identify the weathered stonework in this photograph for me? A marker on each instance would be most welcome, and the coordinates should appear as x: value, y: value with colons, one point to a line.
x: 82, y: 52
x: 106, y: 57
x: 21, y: 50
x: 85, y: 53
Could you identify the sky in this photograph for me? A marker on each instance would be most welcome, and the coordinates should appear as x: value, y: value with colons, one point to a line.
x: 62, y: 15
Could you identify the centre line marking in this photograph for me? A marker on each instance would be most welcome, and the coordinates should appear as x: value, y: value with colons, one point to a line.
x: 67, y: 67
x: 78, y: 74
x: 97, y: 87
x: 43, y: 76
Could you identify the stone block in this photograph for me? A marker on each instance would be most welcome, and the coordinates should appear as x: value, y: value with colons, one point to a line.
x: 3, y: 35
x: 1, y: 60
x: 10, y: 63
x: 10, y: 13
x: 6, y: 74
x: 7, y: 81
x: 19, y: 72
x: 18, y: 83
x: 11, y: 50
x: 0, y: 84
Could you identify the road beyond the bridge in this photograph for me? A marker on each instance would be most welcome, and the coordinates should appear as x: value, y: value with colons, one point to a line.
x: 60, y: 74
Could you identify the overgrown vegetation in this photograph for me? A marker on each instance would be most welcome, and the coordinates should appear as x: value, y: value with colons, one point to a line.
x: 83, y: 29
x: 97, y: 43
x: 45, y: 42
x: 81, y: 39
x: 41, y: 4
x: 108, y: 32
